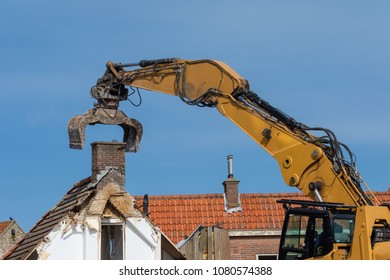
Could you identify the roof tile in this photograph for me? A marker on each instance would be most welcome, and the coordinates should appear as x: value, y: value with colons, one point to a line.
x: 4, y: 225
x: 179, y: 215
x: 79, y: 191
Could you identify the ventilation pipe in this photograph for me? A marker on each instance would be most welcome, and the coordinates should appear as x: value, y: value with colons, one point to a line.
x: 145, y: 205
x: 230, y: 166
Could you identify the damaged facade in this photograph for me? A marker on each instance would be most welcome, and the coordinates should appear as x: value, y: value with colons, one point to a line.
x: 96, y: 219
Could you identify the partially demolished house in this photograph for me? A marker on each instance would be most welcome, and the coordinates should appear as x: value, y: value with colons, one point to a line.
x: 96, y: 219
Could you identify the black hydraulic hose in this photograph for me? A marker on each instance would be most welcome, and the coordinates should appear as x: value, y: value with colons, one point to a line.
x: 144, y: 63
x: 272, y: 111
x: 330, y: 137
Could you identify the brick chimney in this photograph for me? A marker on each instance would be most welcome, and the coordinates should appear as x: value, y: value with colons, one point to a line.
x: 231, y: 195
x: 106, y: 156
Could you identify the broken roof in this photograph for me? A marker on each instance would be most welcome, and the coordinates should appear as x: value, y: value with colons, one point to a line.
x: 179, y: 215
x: 83, y: 195
x: 70, y: 201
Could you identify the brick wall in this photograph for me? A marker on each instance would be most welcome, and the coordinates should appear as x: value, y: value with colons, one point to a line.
x: 107, y: 155
x: 231, y: 193
x: 247, y: 247
x: 7, y: 240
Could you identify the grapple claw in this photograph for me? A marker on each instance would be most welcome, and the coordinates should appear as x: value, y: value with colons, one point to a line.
x: 131, y: 127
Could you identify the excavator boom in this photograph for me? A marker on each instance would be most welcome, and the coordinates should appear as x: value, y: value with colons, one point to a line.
x: 316, y: 165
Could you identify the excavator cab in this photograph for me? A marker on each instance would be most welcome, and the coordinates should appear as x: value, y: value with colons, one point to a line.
x: 314, y: 229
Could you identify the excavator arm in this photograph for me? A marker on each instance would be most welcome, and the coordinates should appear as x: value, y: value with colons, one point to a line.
x: 310, y: 158
x: 314, y: 164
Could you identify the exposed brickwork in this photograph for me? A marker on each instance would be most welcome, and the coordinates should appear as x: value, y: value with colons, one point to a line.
x: 246, y: 248
x: 106, y: 155
x: 231, y: 193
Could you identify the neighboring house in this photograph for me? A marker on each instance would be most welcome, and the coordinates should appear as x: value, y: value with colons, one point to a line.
x: 252, y: 222
x: 96, y: 219
x: 10, y: 234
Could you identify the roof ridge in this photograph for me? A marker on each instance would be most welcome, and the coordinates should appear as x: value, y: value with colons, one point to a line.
x: 192, y: 196
x: 166, y: 196
x: 30, y: 239
x: 79, y: 183
x: 273, y: 194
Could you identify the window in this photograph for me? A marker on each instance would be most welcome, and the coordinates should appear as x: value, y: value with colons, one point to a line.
x: 306, y: 236
x: 343, y: 230
x: 264, y: 257
x: 112, y: 242
x: 295, y: 235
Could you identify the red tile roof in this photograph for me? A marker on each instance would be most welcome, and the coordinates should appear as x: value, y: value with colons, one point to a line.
x: 179, y: 215
x: 4, y: 225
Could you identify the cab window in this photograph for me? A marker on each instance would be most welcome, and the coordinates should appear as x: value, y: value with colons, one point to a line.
x: 343, y: 230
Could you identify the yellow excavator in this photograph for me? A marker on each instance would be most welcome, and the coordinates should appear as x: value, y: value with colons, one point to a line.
x: 341, y: 219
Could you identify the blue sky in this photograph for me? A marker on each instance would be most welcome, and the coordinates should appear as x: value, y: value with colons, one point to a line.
x: 325, y: 63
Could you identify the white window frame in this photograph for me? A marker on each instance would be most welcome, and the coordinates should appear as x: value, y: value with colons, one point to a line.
x: 113, y: 222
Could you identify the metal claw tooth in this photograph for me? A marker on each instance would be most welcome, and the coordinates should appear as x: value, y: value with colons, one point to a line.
x: 132, y: 128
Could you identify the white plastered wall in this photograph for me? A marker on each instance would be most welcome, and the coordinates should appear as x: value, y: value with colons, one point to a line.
x: 69, y: 241
x: 81, y: 241
x: 143, y: 241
